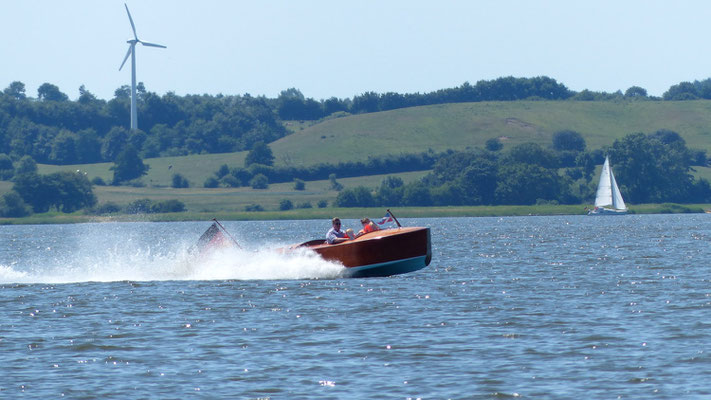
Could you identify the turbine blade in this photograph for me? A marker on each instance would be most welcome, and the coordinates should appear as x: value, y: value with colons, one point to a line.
x: 131, y: 20
x: 128, y: 53
x: 153, y: 45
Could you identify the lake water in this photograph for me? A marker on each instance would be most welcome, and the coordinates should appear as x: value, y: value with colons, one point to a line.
x: 531, y: 307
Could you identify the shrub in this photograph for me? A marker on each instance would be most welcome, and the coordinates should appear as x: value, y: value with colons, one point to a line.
x: 255, y: 169
x: 253, y: 207
x: 222, y: 171
x: 242, y: 174
x: 138, y: 182
x: 568, y: 140
x: 335, y: 185
x: 259, y: 181
x: 98, y: 181
x: 211, y: 182
x: 417, y: 195
x: 304, y: 205
x: 108, y: 208
x: 146, y: 206
x: 179, y: 181
x: 285, y: 205
x: 26, y: 165
x: 230, y: 181
x: 494, y: 144
x: 356, y: 197
x: 13, y: 206
x: 322, y: 204
x: 168, y: 206
x: 544, y: 202
x: 64, y: 191
x: 299, y: 184
x: 140, y: 206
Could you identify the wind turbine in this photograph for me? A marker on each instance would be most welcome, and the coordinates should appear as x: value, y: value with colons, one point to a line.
x: 132, y: 53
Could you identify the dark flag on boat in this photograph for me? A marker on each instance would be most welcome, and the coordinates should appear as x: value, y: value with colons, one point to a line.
x: 213, y: 237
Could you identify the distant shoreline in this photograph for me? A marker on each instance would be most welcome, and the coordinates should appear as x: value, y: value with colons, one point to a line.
x: 354, y: 213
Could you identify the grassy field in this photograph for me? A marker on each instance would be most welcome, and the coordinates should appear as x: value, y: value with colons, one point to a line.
x: 196, y: 168
x: 467, y: 125
x: 439, y: 128
x: 235, y: 199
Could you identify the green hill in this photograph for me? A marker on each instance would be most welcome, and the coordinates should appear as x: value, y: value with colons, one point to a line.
x: 462, y: 125
x: 443, y: 127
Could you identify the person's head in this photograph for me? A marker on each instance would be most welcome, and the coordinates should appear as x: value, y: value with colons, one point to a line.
x: 365, y: 221
x: 336, y: 223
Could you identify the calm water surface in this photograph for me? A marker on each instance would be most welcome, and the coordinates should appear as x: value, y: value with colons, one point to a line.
x: 529, y: 307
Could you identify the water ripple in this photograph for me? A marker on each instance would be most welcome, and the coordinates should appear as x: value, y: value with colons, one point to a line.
x: 534, y: 307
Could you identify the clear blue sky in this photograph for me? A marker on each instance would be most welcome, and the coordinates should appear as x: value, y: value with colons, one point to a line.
x: 336, y: 48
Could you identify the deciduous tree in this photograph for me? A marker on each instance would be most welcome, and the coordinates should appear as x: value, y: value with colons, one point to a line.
x: 128, y: 165
x: 260, y: 154
x: 650, y: 171
x: 12, y: 206
x: 49, y: 92
x: 65, y: 191
x: 568, y: 140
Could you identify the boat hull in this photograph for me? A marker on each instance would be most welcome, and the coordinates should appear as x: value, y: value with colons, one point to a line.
x: 606, y: 211
x: 388, y: 268
x: 380, y: 253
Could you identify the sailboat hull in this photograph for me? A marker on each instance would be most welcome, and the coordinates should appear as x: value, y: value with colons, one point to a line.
x: 606, y: 211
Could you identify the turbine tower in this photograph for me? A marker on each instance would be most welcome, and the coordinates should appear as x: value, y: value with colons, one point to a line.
x: 132, y: 53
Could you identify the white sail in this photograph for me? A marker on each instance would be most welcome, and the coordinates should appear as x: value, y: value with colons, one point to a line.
x: 617, y: 202
x: 608, y: 193
x: 604, y: 187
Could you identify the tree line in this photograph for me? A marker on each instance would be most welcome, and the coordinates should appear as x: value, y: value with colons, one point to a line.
x: 53, y: 129
x: 650, y: 168
x: 293, y: 105
x: 259, y: 162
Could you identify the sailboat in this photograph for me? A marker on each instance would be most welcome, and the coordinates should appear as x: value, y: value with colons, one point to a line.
x: 608, y: 200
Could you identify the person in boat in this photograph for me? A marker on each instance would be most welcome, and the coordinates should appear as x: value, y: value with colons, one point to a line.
x: 368, y: 226
x: 336, y: 235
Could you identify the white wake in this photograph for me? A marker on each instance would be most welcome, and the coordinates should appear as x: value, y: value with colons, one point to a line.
x: 127, y: 262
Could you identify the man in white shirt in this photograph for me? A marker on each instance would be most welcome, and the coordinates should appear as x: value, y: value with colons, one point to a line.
x: 336, y: 235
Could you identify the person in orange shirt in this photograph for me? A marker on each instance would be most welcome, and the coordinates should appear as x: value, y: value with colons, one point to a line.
x: 368, y: 226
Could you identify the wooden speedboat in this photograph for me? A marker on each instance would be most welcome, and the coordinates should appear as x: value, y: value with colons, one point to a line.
x: 381, y: 253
